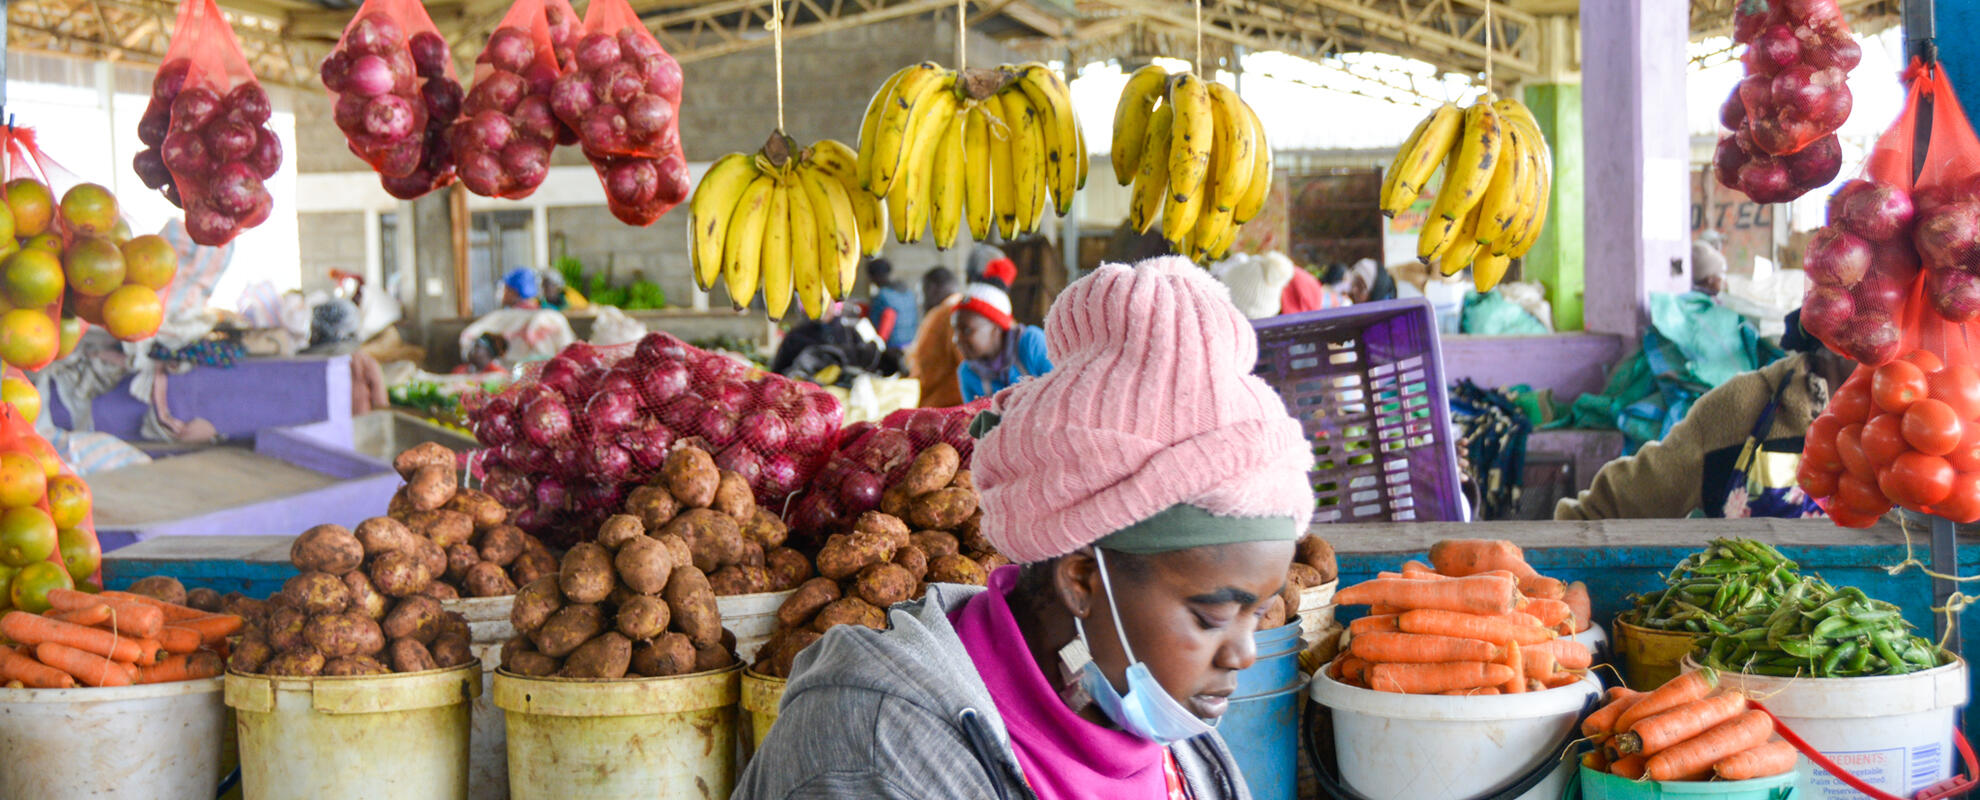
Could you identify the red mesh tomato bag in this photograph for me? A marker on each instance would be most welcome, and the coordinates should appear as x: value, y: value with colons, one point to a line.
x: 397, y: 94
x: 505, y: 133
x: 1785, y: 113
x: 1903, y: 430
x: 42, y: 503
x: 206, y: 130
x: 871, y: 459
x: 579, y: 431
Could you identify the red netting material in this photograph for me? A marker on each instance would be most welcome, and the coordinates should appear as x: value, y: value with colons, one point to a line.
x: 568, y: 440
x: 1784, y: 114
x: 622, y: 96
x: 506, y: 130
x: 392, y: 75
x: 210, y: 147
x: 871, y: 458
x: 25, y: 159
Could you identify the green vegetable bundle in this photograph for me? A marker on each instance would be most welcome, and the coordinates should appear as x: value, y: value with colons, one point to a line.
x: 1753, y: 612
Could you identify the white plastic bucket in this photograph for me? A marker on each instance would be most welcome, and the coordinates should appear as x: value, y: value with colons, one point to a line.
x: 398, y: 735
x: 1595, y: 638
x: 488, y: 751
x: 487, y: 617
x: 751, y: 617
x: 1895, y: 732
x: 161, y: 740
x: 1438, y: 747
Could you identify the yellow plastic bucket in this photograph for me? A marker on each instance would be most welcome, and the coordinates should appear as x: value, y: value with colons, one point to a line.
x: 760, y: 696
x: 400, y: 735
x: 1650, y: 657
x: 661, y: 738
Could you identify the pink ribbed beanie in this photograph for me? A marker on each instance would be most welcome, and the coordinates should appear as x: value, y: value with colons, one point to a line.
x: 1151, y: 403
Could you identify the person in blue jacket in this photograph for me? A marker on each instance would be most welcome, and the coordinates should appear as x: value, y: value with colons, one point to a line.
x: 996, y: 351
x: 895, y: 311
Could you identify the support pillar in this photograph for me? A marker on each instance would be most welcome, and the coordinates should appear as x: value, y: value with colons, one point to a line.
x: 1637, y: 154
x: 1556, y: 258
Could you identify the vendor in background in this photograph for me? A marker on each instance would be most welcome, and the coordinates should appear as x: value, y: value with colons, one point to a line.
x: 1172, y: 539
x: 522, y: 288
x: 894, y: 311
x: 485, y: 356
x: 997, y: 352
x: 1306, y: 293
x: 1735, y: 452
x: 333, y: 330
x: 933, y: 357
x: 1708, y: 268
x: 1367, y: 282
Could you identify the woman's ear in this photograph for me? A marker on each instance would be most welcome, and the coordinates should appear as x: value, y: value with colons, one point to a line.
x: 1076, y: 578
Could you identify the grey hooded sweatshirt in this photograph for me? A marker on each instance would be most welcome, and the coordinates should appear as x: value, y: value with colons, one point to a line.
x: 902, y: 713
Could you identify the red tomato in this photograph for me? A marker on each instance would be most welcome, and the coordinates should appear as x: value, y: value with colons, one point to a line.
x: 1883, y: 439
x: 1957, y: 386
x: 1818, y: 447
x: 1966, y: 457
x: 1849, y: 447
x: 1816, y: 482
x: 1926, y: 360
x: 1963, y: 504
x: 1860, y: 496
x: 1897, y: 385
x: 1851, y: 403
x: 1931, y: 426
x: 1846, y: 518
x: 1921, y: 480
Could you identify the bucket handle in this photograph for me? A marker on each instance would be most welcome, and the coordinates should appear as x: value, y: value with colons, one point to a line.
x: 1520, y: 784
x: 1951, y: 787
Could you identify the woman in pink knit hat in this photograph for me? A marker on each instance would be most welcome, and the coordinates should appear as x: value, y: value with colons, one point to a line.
x: 1151, y: 491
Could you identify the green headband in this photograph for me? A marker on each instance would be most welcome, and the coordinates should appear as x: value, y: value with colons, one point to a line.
x: 1183, y: 526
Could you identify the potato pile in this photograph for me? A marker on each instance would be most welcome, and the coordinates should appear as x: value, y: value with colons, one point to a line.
x: 639, y: 600
x: 926, y: 531
x: 481, y: 554
x: 1314, y: 565
x: 364, y: 604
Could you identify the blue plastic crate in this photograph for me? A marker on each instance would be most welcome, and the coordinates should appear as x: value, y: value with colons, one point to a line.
x: 1367, y: 384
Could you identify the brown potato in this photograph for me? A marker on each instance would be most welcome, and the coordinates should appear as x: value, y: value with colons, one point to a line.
x: 1318, y: 553
x: 161, y: 587
x: 501, y: 545
x: 514, y: 645
x: 787, y: 568
x: 643, y: 617
x: 423, y: 454
x: 886, y: 525
x: 670, y: 654
x: 692, y: 605
x: 990, y: 561
x: 1275, y: 613
x: 249, y: 653
x: 535, y: 602
x: 206, y: 599
x: 532, y: 664
x: 717, y: 541
x: 445, y: 528
x: 416, y: 618
x: 739, y: 579
x: 317, y: 592
x: 964, y: 480
x: 606, y: 656
x: 972, y: 538
x: 804, y: 603
x: 691, y: 477
x: 765, y: 529
x: 1289, y: 597
x: 678, y: 551
x: 486, y: 511
x: 285, y: 628
x: 487, y: 580
x: 752, y: 554
x: 1303, y: 576
x: 894, y: 502
x: 365, y: 598
x: 914, y: 560
x: 714, y: 656
x: 653, y: 505
x: 619, y: 529
x: 432, y: 555
x: 883, y: 585
x: 936, y: 543
x: 441, y: 590
x: 794, y: 642
x: 849, y: 611
x: 459, y: 558
x: 408, y: 655
x: 933, y: 469
x: 733, y: 497
x: 346, y: 634
x: 531, y: 565
x: 351, y: 666
x: 300, y: 662
x: 957, y: 569
x: 400, y: 505
x: 430, y: 487
x: 586, y: 576
x: 380, y: 535
x: 644, y: 565
x: 569, y: 627
x: 451, y: 651
x: 942, y: 509
x: 841, y: 558
x: 452, y: 623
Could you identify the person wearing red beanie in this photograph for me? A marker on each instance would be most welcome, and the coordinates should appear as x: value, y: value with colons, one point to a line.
x: 997, y: 351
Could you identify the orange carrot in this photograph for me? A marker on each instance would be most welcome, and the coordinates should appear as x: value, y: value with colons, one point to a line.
x: 1380, y: 609
x: 1515, y: 661
x: 212, y: 628
x: 1460, y: 557
x: 1418, y: 568
x: 1384, y: 623
x: 1435, y: 678
x: 1541, y: 587
x: 1568, y: 652
x: 1686, y: 688
x: 1481, y: 692
x: 89, y: 668
x: 32, y: 673
x: 1540, y: 664
x: 1595, y: 760
x: 183, y: 667
x: 1694, y: 757
x: 1584, y: 610
x: 1549, y: 612
x: 175, y: 639
x: 1763, y: 761
x: 130, y: 618
x: 1657, y: 732
x: 172, y: 611
x: 1474, y: 595
x: 1471, y: 626
x: 92, y: 616
x: 1353, y: 670
x: 1561, y: 679
x: 149, y: 651
x: 1630, y: 767
x: 1416, y: 648
x: 1601, y: 723
x: 26, y: 628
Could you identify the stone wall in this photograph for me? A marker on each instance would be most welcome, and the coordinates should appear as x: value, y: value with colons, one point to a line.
x: 330, y: 240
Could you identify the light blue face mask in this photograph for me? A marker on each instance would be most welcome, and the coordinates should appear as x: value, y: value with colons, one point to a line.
x: 1147, y: 710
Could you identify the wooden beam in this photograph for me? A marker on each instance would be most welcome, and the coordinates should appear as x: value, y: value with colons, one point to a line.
x: 457, y: 213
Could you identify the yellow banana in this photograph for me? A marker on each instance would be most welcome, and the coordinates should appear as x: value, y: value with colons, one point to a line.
x: 709, y: 212
x: 838, y: 161
x: 838, y: 231
x: 945, y: 188
x: 1151, y: 176
x: 776, y: 256
x: 1194, y: 132
x: 1260, y: 188
x: 1222, y: 249
x: 1417, y: 160
x: 1209, y: 225
x: 869, y: 124
x: 1131, y: 116
x: 899, y: 122
x: 806, y: 279
x: 1232, y: 153
x: 916, y: 172
x: 1532, y: 233
x: 1464, y: 248
x: 1003, y: 164
x: 977, y: 175
x: 1027, y: 159
x: 1488, y: 271
x: 742, y: 246
x: 1179, y: 214
x: 1058, y: 127
x: 1500, y: 205
x: 1467, y: 176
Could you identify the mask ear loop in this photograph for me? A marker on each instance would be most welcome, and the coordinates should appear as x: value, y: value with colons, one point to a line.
x: 1112, y: 608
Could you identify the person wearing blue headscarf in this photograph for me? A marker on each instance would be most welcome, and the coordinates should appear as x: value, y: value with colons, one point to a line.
x: 522, y: 288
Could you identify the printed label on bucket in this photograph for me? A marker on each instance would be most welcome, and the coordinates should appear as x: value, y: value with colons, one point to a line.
x: 1898, y: 770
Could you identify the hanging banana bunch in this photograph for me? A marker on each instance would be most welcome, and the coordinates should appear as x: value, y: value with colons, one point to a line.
x: 1197, y: 157
x: 793, y: 223
x: 986, y: 146
x: 1498, y: 175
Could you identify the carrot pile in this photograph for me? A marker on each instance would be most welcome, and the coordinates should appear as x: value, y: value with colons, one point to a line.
x: 111, y: 639
x: 1477, y: 620
x: 1685, y: 730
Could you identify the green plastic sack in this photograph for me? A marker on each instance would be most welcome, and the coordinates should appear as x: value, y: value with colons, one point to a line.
x: 1489, y: 314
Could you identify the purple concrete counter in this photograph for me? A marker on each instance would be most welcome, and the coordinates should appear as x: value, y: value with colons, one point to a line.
x: 310, y: 393
x: 1568, y: 363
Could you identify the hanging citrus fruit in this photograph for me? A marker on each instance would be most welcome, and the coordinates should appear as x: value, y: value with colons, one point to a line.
x: 33, y: 583
x: 19, y: 393
x: 80, y: 553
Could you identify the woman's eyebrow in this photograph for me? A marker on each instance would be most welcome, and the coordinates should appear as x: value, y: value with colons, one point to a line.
x: 1228, y: 594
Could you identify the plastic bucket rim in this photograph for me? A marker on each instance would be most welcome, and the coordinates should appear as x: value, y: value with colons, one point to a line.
x: 747, y: 605
x: 1652, y: 633
x: 112, y: 694
x: 1447, y: 708
x: 725, y: 696
x: 1298, y: 683
x: 1694, y: 788
x: 1935, y: 674
x: 417, y: 684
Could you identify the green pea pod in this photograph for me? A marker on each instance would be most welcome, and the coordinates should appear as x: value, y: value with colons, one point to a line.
x: 1827, y: 628
x: 1694, y: 626
x: 1742, y: 651
x: 1858, y: 660
x: 1803, y: 648
x: 1727, y: 566
x: 1751, y: 635
x: 1717, y: 627
x: 1894, y: 663
x: 1721, y: 597
x: 1720, y: 649
x: 1775, y: 672
x: 1869, y: 615
x: 1836, y: 655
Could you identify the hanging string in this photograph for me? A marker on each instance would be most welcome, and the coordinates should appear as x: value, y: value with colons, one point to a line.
x: 1199, y: 37
x: 776, y: 28
x: 1488, y: 45
x: 962, y: 43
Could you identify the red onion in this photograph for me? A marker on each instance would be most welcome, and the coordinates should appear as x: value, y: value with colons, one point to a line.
x: 510, y: 50
x: 266, y: 159
x: 481, y: 171
x: 1837, y: 258
x: 742, y: 461
x: 648, y: 443
x: 1946, y: 236
x: 546, y: 421
x: 499, y: 91
x: 649, y: 114
x: 1883, y: 291
x: 860, y: 492
x: 766, y: 431
x: 194, y: 108
x: 618, y: 83
x: 604, y: 129
x: 1825, y: 310
x: 673, y: 179
x: 780, y: 476
x: 442, y: 98
x: 662, y: 76
x: 488, y: 130
x: 369, y: 76
x: 1880, y: 213
x: 150, y: 167
x: 632, y: 180
x: 1870, y: 338
x: 600, y: 498
x: 730, y: 395
x: 526, y: 162
x: 612, y: 410
x: 662, y: 382
x: 532, y: 118
x: 1777, y: 48
x: 389, y: 117
x: 206, y: 224
x: 635, y: 44
x: 249, y: 104
x: 185, y: 154
x: 565, y: 460
x: 571, y: 97
x: 716, y: 424
x: 659, y: 347
x: 596, y: 51
x: 608, y: 463
x: 508, y: 488
x: 550, y: 493
x: 1955, y: 293
x: 234, y: 189
x: 430, y: 54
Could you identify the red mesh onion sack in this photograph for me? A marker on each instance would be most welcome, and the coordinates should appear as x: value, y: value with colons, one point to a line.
x: 62, y: 500
x: 1786, y: 111
x: 622, y: 97
x: 871, y: 458
x: 568, y: 440
x: 1904, y: 429
x: 392, y: 75
x: 206, y: 130
x: 503, y: 138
